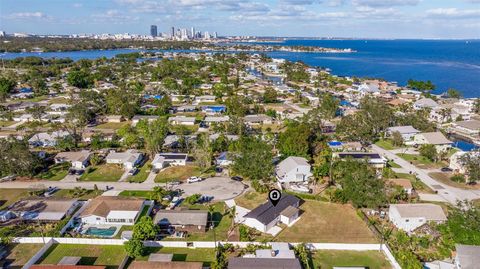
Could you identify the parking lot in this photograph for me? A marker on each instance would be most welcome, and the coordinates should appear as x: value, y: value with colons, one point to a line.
x: 221, y: 188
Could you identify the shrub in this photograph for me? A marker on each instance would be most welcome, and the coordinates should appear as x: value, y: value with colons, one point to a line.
x: 458, y: 178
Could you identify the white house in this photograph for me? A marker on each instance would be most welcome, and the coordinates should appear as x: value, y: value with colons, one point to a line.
x: 293, y: 169
x: 409, y: 217
x: 456, y: 163
x: 257, y: 119
x: 137, y: 118
x: 407, y: 132
x: 78, y: 159
x: 112, y: 210
x: 162, y: 160
x: 425, y: 103
x: 469, y: 129
x: 204, y: 99
x: 182, y: 120
x: 266, y: 216
x: 374, y: 159
x: 435, y: 138
x: 224, y: 159
x: 47, y: 139
x: 128, y: 159
x: 467, y: 257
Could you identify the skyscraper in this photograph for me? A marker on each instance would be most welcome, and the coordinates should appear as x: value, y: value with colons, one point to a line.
x: 153, y: 30
x: 193, y: 32
x: 173, y: 32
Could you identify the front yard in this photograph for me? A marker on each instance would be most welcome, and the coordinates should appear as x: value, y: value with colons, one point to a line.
x: 10, y: 196
x: 251, y: 199
x: 327, y: 259
x: 55, y: 172
x: 177, y: 173
x: 110, y: 256
x: 112, y: 125
x: 385, y: 144
x: 103, y: 172
x: 420, y: 161
x: 445, y: 178
x: 322, y: 222
x: 79, y: 193
x: 142, y: 174
x: 139, y: 194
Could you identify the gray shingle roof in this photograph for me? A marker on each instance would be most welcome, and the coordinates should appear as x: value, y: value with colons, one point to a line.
x: 266, y: 213
x: 182, y: 217
x: 263, y: 263
x: 468, y: 256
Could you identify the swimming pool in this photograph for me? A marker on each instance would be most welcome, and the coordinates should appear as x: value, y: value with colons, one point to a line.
x: 102, y: 232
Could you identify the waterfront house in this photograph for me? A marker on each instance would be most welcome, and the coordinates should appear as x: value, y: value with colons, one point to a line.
x: 266, y: 216
x: 191, y: 221
x: 112, y: 210
x: 293, y: 169
x: 78, y: 159
x: 162, y: 160
x: 469, y: 129
x: 434, y: 138
x: 425, y: 103
x: 127, y: 159
x: 409, y: 217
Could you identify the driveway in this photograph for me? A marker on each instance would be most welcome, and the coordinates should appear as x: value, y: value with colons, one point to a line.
x: 150, y: 179
x: 221, y: 188
x: 448, y: 193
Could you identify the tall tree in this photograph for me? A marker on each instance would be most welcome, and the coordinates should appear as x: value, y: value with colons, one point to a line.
x: 253, y: 159
x: 153, y: 134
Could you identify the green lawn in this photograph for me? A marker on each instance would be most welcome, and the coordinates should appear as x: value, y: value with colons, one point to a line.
x: 323, y: 222
x: 445, y: 178
x: 385, y: 144
x: 327, y: 259
x: 6, y: 123
x: 19, y: 254
x: 205, y: 255
x: 55, y: 172
x: 139, y: 194
x: 420, y: 161
x: 112, y: 125
x: 111, y: 256
x: 10, y: 196
x: 142, y: 174
x: 104, y: 172
x: 177, y: 173
x: 251, y: 199
x: 83, y: 195
x: 393, y: 164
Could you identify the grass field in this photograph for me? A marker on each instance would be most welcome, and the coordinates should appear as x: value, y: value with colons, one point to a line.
x: 445, y: 178
x: 393, y: 164
x: 19, y: 254
x: 55, y: 172
x: 205, y: 255
x: 112, y: 125
x: 327, y: 259
x: 104, y: 172
x: 111, y: 256
x: 420, y: 161
x: 142, y: 174
x: 385, y: 144
x: 10, y: 196
x: 6, y: 123
x: 251, y: 199
x: 139, y: 194
x: 322, y: 222
x: 177, y: 173
x: 87, y: 194
x: 222, y: 224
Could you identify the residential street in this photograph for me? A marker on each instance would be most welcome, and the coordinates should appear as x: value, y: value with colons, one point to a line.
x: 221, y: 188
x: 449, y: 193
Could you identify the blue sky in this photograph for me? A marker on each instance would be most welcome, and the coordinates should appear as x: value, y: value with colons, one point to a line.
x: 339, y: 18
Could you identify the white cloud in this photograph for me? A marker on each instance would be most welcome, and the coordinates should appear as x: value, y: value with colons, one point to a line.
x: 453, y: 13
x: 113, y: 16
x: 385, y: 3
x: 28, y: 15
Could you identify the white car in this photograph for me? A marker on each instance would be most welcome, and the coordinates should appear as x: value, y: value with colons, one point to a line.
x: 194, y: 179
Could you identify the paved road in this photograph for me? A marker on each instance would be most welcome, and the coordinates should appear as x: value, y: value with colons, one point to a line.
x: 221, y: 188
x: 448, y: 193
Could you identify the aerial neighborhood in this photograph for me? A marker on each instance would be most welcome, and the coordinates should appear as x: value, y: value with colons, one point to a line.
x: 165, y: 159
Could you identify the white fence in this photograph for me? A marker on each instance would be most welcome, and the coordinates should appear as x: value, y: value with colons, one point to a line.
x: 195, y: 244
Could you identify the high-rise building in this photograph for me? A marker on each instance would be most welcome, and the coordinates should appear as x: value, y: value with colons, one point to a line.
x: 153, y: 30
x: 215, y: 35
x: 193, y: 32
x: 173, y: 32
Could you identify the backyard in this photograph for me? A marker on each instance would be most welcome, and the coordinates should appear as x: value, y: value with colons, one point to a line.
x: 19, y: 254
x: 104, y: 172
x: 205, y: 255
x: 110, y: 256
x: 222, y: 224
x: 322, y: 222
x: 327, y: 259
x: 177, y: 173
x: 55, y: 172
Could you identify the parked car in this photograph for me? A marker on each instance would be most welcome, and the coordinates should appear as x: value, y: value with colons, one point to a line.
x: 133, y: 171
x: 50, y: 191
x: 205, y: 199
x: 237, y: 178
x: 446, y: 169
x: 79, y: 172
x: 194, y: 179
x: 175, y: 183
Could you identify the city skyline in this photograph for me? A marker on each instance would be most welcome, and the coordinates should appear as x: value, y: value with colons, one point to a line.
x: 306, y: 18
